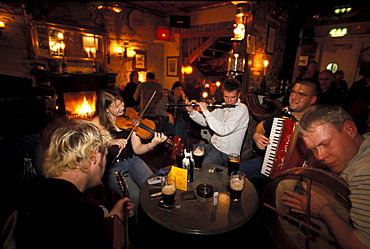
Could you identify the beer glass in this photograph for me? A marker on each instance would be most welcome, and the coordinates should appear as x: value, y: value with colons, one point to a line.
x: 179, y: 157
x: 198, y: 156
x: 168, y: 190
x: 233, y: 163
x: 236, y: 185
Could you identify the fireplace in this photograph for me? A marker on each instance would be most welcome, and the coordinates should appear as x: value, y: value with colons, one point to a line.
x: 80, y: 104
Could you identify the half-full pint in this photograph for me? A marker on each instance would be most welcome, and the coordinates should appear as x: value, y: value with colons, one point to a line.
x: 236, y: 185
x: 198, y: 156
x: 168, y: 191
x: 233, y: 163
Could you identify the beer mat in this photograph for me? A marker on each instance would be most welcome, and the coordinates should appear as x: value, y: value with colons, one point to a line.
x: 188, y: 195
x: 156, y: 192
x: 161, y: 205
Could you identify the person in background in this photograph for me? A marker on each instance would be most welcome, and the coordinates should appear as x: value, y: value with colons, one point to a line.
x: 123, y: 151
x: 311, y: 72
x: 129, y: 91
x: 357, y: 103
x: 329, y: 93
x: 340, y: 83
x: 329, y: 132
x: 56, y: 203
x: 174, y: 119
x: 150, y: 85
x: 228, y: 124
x: 304, y: 94
x: 214, y: 94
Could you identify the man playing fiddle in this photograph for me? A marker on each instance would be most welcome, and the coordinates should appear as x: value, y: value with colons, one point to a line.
x: 228, y: 124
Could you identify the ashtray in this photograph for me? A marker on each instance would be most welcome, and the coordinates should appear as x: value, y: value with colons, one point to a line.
x: 204, y: 190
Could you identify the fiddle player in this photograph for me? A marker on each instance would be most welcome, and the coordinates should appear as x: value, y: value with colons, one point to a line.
x: 54, y: 212
x: 303, y: 95
x: 109, y: 106
x: 329, y: 132
x: 228, y: 124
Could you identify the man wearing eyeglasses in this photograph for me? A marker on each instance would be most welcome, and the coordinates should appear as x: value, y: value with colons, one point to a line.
x: 303, y: 95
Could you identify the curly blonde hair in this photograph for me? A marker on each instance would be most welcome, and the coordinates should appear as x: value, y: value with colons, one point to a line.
x: 72, y: 146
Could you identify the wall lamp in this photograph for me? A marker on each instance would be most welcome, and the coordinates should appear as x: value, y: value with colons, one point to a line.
x: 114, y: 8
x: 2, y: 26
x: 126, y: 52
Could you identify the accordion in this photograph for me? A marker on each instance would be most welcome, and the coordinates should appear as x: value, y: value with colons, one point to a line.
x: 280, y: 152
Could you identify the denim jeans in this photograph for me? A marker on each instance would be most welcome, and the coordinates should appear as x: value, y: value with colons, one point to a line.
x: 138, y: 172
x: 178, y: 128
x: 252, y: 170
x: 213, y: 155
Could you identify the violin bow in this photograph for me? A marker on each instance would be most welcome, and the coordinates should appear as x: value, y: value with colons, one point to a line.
x: 133, y: 129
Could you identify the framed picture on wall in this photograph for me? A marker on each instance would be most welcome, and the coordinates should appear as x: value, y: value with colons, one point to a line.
x: 173, y: 66
x: 139, y: 63
x: 303, y: 60
x: 270, y: 40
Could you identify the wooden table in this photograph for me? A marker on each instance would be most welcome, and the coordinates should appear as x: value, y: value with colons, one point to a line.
x: 199, y: 216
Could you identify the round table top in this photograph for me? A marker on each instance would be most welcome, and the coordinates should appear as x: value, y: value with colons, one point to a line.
x: 199, y: 216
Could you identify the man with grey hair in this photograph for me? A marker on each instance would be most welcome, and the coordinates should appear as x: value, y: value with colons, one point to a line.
x: 330, y: 94
x: 54, y: 212
x: 329, y: 132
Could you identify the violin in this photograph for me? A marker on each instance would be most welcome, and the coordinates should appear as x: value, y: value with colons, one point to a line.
x: 209, y: 105
x: 144, y: 128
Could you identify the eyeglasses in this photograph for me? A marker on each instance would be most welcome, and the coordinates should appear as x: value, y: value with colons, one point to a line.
x: 300, y: 94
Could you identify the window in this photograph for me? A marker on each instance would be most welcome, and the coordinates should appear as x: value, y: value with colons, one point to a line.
x: 332, y: 66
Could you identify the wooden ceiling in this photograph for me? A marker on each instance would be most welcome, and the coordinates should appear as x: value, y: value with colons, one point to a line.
x: 167, y: 8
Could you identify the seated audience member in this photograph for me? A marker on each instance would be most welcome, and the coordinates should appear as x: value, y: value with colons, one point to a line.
x: 340, y: 83
x: 54, y: 212
x: 303, y: 95
x: 228, y: 124
x: 122, y: 154
x: 329, y: 93
x: 150, y: 85
x: 357, y: 102
x: 174, y: 119
x: 310, y: 72
x: 330, y: 134
x: 214, y: 94
x: 129, y: 91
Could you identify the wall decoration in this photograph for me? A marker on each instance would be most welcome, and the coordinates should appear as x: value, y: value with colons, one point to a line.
x: 303, y: 60
x: 140, y: 60
x: 173, y: 66
x: 270, y: 40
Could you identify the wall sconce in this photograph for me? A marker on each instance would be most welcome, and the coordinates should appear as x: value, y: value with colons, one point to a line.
x: 186, y: 69
x: 113, y: 8
x: 90, y: 43
x: 2, y: 26
x: 126, y: 52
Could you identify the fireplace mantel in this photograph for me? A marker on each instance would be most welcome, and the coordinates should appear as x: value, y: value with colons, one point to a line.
x: 79, y: 83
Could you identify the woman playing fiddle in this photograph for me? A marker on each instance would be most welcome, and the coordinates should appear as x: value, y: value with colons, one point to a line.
x: 109, y: 107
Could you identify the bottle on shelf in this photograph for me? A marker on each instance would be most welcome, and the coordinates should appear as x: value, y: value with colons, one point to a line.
x: 263, y: 85
x: 64, y: 66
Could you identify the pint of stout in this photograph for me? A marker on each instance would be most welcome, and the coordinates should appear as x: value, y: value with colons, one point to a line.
x: 236, y: 185
x: 233, y: 163
x: 168, y: 190
x: 198, y: 156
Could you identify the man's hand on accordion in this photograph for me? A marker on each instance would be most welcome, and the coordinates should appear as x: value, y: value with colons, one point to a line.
x: 261, y: 140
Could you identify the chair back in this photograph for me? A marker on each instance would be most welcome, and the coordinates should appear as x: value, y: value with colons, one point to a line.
x: 150, y: 112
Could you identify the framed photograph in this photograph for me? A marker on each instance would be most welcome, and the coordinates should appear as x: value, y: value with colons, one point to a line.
x: 303, y: 60
x: 140, y: 60
x: 173, y: 66
x: 270, y: 40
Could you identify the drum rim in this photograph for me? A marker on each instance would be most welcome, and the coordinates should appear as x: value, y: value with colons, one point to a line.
x: 335, y: 183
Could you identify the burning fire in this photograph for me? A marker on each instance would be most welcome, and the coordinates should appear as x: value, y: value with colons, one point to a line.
x: 80, y: 105
x: 84, y: 108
